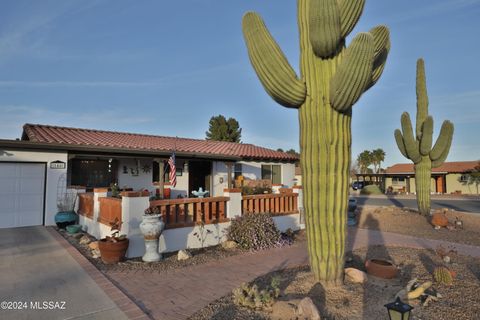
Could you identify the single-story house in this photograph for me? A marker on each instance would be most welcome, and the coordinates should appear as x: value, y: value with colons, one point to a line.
x: 450, y: 177
x: 37, y: 168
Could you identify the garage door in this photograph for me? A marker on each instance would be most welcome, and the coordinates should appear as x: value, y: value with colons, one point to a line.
x: 21, y: 194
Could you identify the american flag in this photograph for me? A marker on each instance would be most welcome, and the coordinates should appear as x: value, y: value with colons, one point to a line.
x: 173, y: 170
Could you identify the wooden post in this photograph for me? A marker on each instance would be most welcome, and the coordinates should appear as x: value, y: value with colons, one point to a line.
x: 161, y: 182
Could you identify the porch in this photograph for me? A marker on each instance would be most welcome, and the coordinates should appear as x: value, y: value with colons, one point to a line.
x: 152, y: 174
x: 186, y: 220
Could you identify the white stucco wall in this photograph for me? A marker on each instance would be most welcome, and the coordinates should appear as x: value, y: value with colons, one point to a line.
x: 141, y: 181
x: 52, y: 174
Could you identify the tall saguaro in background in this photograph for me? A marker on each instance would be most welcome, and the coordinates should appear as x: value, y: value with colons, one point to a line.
x: 418, y: 148
x: 333, y: 77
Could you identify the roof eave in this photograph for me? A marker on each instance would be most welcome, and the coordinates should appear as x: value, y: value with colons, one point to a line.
x: 21, y: 144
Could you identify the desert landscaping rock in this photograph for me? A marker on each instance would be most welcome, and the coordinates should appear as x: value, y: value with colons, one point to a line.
x: 308, y: 310
x: 355, y: 276
x: 229, y: 244
x: 84, y: 240
x: 183, y: 255
x: 93, y: 245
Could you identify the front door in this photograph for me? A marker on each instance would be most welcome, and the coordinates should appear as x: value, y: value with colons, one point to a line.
x: 199, y: 176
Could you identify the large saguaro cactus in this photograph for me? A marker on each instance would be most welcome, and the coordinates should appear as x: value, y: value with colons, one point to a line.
x: 333, y: 77
x: 418, y: 148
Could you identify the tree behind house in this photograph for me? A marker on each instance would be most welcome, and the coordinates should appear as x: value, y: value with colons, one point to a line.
x: 221, y: 129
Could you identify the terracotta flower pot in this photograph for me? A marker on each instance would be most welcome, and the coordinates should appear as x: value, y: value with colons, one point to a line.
x: 381, y: 268
x: 112, y: 252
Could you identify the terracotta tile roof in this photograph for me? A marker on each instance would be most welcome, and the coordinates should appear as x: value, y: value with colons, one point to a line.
x: 450, y: 167
x: 132, y: 141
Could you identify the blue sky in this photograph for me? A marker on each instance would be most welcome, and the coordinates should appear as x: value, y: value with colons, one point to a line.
x: 165, y: 67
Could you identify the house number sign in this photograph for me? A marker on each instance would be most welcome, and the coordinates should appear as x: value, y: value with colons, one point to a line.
x: 58, y: 165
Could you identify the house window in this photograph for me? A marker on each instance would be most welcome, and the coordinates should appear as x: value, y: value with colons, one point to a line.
x: 464, y: 178
x: 398, y: 180
x: 272, y: 172
x: 93, y: 173
x: 237, y: 171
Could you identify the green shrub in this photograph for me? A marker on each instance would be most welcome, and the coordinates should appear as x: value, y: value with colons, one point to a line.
x: 252, y: 297
x: 254, y: 231
x: 371, y: 189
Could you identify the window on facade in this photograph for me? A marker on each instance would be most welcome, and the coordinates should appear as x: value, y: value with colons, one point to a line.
x: 398, y: 180
x: 272, y: 172
x: 237, y: 171
x: 463, y: 178
x: 93, y: 173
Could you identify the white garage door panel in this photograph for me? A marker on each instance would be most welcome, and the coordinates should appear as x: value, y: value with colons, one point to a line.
x: 21, y: 194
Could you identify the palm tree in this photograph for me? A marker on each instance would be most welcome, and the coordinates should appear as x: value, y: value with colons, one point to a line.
x: 378, y: 156
x: 364, y: 160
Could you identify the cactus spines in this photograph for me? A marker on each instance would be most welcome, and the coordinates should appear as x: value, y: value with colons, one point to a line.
x: 443, y: 275
x: 333, y: 77
x: 418, y: 148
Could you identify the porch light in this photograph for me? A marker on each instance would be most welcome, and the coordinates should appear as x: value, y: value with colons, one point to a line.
x: 398, y: 310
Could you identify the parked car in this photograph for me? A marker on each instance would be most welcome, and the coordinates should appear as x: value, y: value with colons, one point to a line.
x: 357, y: 185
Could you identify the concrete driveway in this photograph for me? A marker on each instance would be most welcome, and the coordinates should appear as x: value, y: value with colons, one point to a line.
x: 39, y: 276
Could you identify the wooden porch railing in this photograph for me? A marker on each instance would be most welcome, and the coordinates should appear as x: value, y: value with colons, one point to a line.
x: 85, y: 204
x: 276, y: 204
x: 110, y: 208
x: 177, y: 213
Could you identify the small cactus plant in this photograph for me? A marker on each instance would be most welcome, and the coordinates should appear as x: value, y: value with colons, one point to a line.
x: 443, y: 275
x: 418, y: 147
x: 253, y: 298
x: 332, y: 78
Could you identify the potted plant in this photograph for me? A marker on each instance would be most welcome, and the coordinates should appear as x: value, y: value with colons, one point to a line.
x: 151, y: 227
x: 113, y: 248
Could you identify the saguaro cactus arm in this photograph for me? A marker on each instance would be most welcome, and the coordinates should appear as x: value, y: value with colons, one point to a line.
x: 439, y: 152
x: 400, y: 142
x: 275, y: 73
x: 411, y: 145
x: 353, y: 74
x: 426, y: 139
x: 381, y: 37
x: 350, y: 12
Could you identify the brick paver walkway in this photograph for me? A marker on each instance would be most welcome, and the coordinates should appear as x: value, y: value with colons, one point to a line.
x: 179, y: 293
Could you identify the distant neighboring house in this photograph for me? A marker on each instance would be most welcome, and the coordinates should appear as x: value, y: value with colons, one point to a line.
x: 32, y: 168
x: 451, y: 177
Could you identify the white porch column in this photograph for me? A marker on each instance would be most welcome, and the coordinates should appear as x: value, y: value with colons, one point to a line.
x: 94, y: 229
x: 234, y: 205
x: 134, y: 204
x: 299, y: 190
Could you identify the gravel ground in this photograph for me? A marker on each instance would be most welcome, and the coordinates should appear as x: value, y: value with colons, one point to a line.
x: 169, y: 261
x: 356, y: 301
x: 409, y: 222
